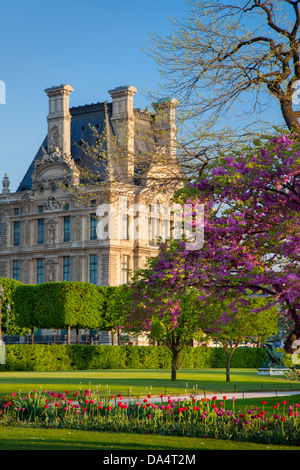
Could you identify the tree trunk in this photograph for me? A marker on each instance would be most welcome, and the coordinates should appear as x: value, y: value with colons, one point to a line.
x: 229, y: 353
x: 174, y: 364
x: 290, y: 116
x: 228, y: 357
x: 32, y: 336
x: 77, y: 335
x: 112, y: 337
x: 69, y: 335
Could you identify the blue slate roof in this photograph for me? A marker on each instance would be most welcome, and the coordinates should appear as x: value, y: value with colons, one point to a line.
x: 83, y: 118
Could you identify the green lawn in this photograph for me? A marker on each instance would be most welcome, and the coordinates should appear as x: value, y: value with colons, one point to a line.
x: 133, y: 382
x: 136, y: 382
x: 12, y: 438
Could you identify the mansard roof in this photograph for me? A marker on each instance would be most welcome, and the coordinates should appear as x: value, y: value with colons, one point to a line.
x: 83, y: 119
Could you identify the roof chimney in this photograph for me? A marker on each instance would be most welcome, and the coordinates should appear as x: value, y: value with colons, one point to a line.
x: 59, y: 118
x: 123, y: 123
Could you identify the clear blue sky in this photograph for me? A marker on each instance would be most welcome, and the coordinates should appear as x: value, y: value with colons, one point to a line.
x: 93, y: 45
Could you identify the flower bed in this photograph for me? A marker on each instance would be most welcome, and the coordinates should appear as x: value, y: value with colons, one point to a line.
x: 194, y: 417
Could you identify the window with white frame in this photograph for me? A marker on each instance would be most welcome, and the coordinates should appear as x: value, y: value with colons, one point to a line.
x: 16, y: 270
x: 125, y: 269
x: 67, y: 268
x: 154, y: 232
x: 40, y: 271
x: 93, y: 269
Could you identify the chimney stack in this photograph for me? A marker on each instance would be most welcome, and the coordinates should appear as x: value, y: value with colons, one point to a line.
x: 123, y: 124
x: 166, y: 124
x: 59, y: 118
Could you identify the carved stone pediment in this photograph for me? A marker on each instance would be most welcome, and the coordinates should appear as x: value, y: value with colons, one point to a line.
x: 54, y: 167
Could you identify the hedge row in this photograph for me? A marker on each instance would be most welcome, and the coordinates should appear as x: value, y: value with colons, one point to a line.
x: 82, y: 357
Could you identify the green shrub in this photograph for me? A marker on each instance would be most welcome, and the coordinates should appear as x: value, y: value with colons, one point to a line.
x: 40, y: 357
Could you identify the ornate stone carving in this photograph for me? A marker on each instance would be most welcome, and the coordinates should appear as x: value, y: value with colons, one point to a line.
x: 52, y: 203
x: 51, y: 234
x: 50, y: 274
x: 5, y: 184
x: 68, y: 174
x: 54, y: 135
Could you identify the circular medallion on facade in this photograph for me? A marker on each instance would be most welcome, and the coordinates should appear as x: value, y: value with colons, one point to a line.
x: 54, y: 135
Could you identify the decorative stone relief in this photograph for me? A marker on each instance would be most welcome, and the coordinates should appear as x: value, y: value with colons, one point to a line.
x: 5, y: 184
x: 50, y: 274
x: 68, y: 174
x: 52, y: 203
x: 54, y: 135
x: 51, y: 236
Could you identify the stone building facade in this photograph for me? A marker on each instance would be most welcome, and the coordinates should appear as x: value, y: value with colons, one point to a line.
x: 61, y: 224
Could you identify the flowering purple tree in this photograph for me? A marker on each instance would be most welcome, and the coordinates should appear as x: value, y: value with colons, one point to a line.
x: 162, y: 302
x: 251, y: 243
x: 252, y: 240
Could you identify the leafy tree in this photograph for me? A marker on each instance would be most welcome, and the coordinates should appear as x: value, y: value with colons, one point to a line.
x: 223, y: 54
x: 60, y: 305
x: 8, y: 308
x: 254, y: 239
x: 168, y: 311
x: 248, y: 321
x: 251, y: 242
x: 110, y: 315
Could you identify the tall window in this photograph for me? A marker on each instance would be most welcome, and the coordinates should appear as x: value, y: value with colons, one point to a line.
x: 93, y: 269
x: 16, y: 270
x: 125, y: 269
x: 40, y: 237
x: 40, y: 271
x: 16, y: 233
x: 125, y: 227
x: 67, y: 229
x: 67, y: 268
x: 93, y: 227
x: 165, y: 229
x: 154, y: 224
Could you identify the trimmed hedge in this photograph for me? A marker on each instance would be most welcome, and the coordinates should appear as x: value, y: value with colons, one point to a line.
x: 59, y: 305
x: 40, y: 357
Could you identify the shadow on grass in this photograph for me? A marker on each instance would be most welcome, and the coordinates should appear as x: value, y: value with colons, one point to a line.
x: 144, y: 381
x: 52, y: 439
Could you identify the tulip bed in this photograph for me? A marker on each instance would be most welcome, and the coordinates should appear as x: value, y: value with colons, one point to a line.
x: 191, y: 416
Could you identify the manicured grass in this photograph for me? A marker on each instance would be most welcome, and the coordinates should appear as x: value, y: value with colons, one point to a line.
x: 13, y: 438
x: 138, y: 382
x: 141, y: 382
